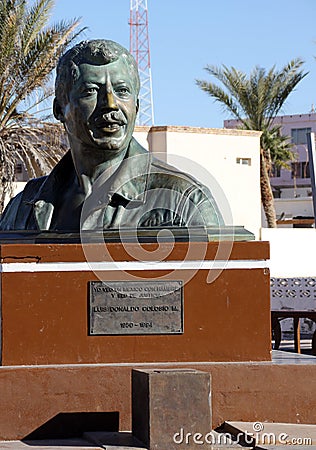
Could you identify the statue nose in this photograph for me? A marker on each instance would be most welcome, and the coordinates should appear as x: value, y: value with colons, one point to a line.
x: 110, y: 100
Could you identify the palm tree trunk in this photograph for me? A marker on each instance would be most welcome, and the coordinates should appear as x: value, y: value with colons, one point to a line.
x: 266, y: 193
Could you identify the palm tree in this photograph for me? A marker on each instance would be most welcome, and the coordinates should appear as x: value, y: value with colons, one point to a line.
x: 30, y: 48
x: 255, y: 101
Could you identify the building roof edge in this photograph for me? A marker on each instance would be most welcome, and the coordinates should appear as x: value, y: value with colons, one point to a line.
x: 199, y: 130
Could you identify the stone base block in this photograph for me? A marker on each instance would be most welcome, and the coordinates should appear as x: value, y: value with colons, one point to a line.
x: 164, y: 402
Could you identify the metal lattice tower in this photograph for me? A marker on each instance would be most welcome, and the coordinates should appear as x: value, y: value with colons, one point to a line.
x: 139, y: 48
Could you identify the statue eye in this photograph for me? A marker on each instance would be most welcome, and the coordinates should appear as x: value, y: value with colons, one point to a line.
x: 122, y: 91
x: 91, y: 90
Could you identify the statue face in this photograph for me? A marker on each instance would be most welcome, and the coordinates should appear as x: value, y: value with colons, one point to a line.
x: 102, y: 107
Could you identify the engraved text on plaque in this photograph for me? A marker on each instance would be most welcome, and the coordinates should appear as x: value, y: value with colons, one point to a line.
x: 136, y: 307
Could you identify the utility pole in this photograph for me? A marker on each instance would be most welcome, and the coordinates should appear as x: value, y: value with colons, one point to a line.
x: 312, y: 166
x: 139, y: 48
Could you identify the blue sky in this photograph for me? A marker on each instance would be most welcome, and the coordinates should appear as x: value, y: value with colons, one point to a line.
x: 186, y: 35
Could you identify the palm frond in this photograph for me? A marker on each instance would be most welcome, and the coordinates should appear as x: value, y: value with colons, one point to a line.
x: 256, y: 99
x: 35, y: 20
x: 30, y: 48
x: 220, y: 96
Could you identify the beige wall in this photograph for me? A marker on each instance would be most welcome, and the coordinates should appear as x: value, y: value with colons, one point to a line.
x: 211, y: 156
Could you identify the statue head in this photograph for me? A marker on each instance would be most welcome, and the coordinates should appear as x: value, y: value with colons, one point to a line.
x: 98, y: 51
x: 96, y: 94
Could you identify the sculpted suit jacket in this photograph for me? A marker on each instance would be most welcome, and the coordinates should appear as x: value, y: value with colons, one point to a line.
x: 143, y: 192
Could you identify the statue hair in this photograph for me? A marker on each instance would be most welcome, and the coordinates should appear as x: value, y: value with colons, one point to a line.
x: 98, y: 51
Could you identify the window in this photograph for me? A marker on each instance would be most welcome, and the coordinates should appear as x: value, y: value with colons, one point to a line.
x: 299, y: 135
x: 243, y: 161
x: 300, y: 170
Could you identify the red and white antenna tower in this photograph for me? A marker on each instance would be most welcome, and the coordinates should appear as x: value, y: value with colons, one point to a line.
x: 139, y: 48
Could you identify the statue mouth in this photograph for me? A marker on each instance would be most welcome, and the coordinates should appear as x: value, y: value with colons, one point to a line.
x: 109, y: 123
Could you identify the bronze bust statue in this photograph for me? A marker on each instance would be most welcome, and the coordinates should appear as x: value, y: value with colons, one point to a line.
x: 106, y: 180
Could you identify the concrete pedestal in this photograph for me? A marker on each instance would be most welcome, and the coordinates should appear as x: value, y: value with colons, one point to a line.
x: 45, y: 302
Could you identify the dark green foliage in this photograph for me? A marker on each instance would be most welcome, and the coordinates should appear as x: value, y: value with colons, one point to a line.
x: 30, y: 48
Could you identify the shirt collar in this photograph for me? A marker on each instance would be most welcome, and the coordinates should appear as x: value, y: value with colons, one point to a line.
x: 131, y: 179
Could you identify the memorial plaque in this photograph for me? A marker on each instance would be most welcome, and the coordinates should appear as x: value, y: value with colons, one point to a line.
x: 135, y: 307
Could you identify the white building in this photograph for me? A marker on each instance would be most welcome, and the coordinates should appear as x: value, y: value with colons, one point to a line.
x: 227, y: 161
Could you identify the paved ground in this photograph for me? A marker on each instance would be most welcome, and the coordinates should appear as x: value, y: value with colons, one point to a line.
x: 306, y: 344
x: 67, y: 444
x: 268, y: 436
x: 287, y: 345
x: 89, y: 441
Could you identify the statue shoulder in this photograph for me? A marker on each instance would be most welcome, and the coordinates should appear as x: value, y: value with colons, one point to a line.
x: 172, y: 177
x: 192, y: 198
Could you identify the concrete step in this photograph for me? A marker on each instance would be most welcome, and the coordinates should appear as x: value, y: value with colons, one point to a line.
x: 49, y: 444
x: 114, y: 440
x: 125, y: 441
x: 222, y: 441
x: 266, y: 435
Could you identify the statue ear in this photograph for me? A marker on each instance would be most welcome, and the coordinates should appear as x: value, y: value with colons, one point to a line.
x: 58, y: 111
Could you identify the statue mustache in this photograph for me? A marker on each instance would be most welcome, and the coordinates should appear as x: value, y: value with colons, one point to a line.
x: 111, y: 117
